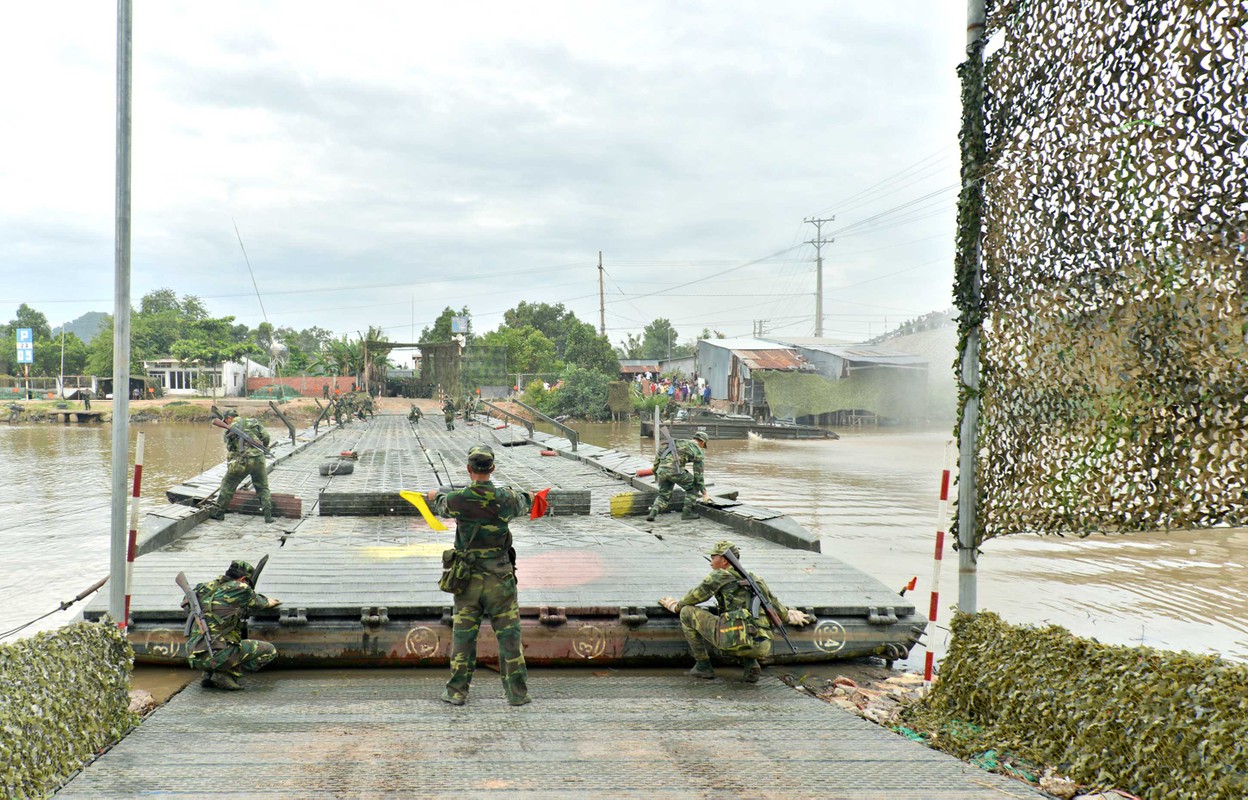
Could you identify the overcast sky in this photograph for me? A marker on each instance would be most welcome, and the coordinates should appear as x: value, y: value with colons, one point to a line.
x: 385, y: 160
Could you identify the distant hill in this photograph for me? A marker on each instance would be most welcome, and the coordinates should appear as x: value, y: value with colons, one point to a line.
x: 85, y: 327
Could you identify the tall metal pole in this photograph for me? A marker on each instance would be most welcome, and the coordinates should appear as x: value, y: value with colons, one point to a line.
x: 819, y: 242
x: 968, y: 566
x: 62, y: 361
x: 121, y: 320
x: 602, y: 305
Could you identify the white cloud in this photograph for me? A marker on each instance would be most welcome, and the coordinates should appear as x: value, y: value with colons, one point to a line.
x: 428, y: 147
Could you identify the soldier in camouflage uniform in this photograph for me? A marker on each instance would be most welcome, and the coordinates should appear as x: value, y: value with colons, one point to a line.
x: 414, y: 415
x: 227, y: 601
x: 670, y: 470
x: 244, y: 460
x: 448, y: 413
x: 482, y: 537
x: 740, y: 628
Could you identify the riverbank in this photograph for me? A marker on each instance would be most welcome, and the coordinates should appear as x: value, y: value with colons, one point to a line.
x: 301, y: 411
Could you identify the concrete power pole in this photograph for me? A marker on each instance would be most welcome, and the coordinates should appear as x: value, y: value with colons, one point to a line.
x: 602, y: 306
x: 819, y: 242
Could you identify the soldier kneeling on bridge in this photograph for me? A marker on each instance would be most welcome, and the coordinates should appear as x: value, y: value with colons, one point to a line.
x: 226, y: 603
x: 740, y: 628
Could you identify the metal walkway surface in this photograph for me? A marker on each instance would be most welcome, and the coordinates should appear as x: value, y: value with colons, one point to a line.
x: 607, y: 734
x: 362, y: 590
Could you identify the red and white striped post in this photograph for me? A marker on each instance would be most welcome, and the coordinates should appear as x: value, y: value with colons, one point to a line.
x: 942, y: 519
x: 134, y: 526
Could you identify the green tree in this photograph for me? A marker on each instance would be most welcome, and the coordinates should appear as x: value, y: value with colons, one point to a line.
x: 28, y: 317
x: 529, y: 351
x: 630, y: 347
x: 553, y: 321
x: 48, y: 356
x: 659, y: 338
x: 582, y: 393
x: 441, y: 330
x: 588, y: 350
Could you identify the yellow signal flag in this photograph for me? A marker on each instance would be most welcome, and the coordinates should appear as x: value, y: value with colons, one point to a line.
x: 417, y: 499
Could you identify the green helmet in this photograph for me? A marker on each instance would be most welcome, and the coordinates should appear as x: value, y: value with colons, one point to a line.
x: 229, y: 413
x: 239, y: 569
x: 481, y: 458
x: 723, y: 546
x: 701, y: 437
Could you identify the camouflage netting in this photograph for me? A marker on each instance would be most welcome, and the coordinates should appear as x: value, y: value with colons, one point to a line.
x: 619, y: 397
x: 274, y: 392
x: 1115, y: 204
x: 1159, y: 724
x: 64, y: 695
x: 890, y: 393
x: 459, y: 370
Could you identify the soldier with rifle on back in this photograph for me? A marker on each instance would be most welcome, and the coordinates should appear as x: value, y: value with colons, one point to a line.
x: 216, y: 626
x: 747, y: 617
x: 669, y: 468
x: 448, y: 412
x: 247, y: 443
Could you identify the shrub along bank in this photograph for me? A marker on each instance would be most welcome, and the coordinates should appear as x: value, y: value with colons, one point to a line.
x: 64, y: 695
x: 1158, y: 723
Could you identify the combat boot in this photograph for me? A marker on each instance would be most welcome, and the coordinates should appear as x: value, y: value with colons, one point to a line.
x: 752, y: 672
x: 268, y: 514
x: 217, y: 513
x: 651, y: 514
x: 688, y: 513
x: 454, y: 698
x: 227, y: 682
x: 206, y: 681
x: 702, y: 669
x: 520, y: 701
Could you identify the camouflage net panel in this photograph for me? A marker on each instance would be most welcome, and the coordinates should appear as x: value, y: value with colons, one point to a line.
x: 274, y: 392
x: 64, y: 695
x: 890, y: 393
x: 484, y: 365
x: 1157, y: 723
x: 619, y: 397
x: 440, y: 367
x: 1114, y: 213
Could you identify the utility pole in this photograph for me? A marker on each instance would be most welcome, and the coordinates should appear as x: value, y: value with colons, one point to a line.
x: 819, y: 242
x: 968, y: 435
x: 602, y: 306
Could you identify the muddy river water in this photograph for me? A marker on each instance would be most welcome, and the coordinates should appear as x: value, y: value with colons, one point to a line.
x: 872, y: 497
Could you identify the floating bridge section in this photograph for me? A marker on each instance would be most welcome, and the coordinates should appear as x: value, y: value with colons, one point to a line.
x: 357, y: 571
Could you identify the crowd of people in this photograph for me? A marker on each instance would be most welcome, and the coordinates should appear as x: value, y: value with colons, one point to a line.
x: 680, y: 390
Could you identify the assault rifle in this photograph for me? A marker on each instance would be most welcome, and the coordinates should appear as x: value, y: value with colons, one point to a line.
x: 768, y: 608
x: 242, y: 435
x: 197, y: 613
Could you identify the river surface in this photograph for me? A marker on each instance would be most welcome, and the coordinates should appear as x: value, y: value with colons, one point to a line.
x: 872, y: 498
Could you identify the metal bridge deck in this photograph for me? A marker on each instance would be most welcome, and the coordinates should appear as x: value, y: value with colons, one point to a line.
x: 384, y: 734
x: 363, y: 590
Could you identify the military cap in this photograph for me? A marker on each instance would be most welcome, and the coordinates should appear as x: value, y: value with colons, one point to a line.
x: 239, y: 569
x: 229, y: 412
x: 724, y: 545
x: 701, y: 436
x: 481, y: 457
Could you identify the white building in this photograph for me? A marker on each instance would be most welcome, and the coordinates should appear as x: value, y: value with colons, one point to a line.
x: 193, y: 378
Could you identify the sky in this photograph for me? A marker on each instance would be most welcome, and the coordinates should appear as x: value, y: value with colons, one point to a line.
x: 382, y: 161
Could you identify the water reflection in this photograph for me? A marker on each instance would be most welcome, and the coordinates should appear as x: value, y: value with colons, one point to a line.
x: 871, y: 497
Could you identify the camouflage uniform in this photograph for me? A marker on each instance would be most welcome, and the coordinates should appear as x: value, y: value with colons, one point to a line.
x: 414, y: 415
x: 448, y: 413
x: 731, y: 593
x: 227, y: 602
x: 244, y: 460
x: 85, y: 394
x: 482, y: 511
x: 670, y: 470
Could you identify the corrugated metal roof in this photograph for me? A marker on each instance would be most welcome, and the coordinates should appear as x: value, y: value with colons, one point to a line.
x: 868, y: 352
x: 637, y: 369
x: 770, y: 359
x: 743, y: 343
